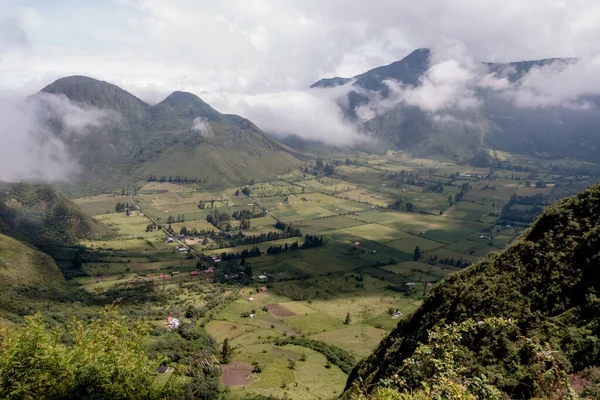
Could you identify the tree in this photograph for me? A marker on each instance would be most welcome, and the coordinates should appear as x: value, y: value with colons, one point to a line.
x: 77, y: 261
x: 226, y: 351
x: 417, y: 253
x: 348, y: 319
x: 103, y: 359
x: 291, y: 364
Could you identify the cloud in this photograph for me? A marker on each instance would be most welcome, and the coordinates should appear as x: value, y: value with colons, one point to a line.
x: 35, y: 136
x: 311, y: 114
x: 455, y: 81
x: 12, y: 36
x: 203, y: 127
x: 563, y: 84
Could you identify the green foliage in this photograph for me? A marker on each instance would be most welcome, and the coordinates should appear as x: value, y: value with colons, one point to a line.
x: 439, y: 369
x: 226, y: 351
x: 99, y: 360
x: 547, y: 281
x: 334, y: 354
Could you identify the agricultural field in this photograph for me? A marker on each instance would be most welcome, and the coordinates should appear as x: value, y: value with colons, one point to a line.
x: 304, y: 275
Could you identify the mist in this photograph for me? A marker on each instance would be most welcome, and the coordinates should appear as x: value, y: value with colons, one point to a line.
x: 202, y: 126
x: 312, y: 114
x: 35, y: 136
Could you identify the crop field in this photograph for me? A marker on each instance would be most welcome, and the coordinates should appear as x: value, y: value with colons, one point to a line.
x: 385, y: 226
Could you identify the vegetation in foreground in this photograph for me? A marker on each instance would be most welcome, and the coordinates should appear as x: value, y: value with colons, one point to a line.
x: 386, y: 225
x: 546, y: 282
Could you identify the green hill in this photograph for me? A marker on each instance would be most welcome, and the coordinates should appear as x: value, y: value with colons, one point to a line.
x: 181, y: 136
x: 23, y: 266
x: 26, y: 276
x: 547, y: 282
x: 43, y: 217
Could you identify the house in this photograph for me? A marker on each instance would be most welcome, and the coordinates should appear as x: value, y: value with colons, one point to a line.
x: 209, y: 270
x: 182, y: 249
x: 356, y: 244
x: 250, y: 298
x: 193, y: 273
x: 262, y: 277
x: 169, y: 240
x: 173, y: 323
x: 263, y: 289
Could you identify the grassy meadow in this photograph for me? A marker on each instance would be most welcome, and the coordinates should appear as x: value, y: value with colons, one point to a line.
x: 390, y: 225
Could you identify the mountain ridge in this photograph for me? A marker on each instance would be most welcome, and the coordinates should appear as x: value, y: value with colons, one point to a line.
x: 497, y: 123
x: 160, y: 140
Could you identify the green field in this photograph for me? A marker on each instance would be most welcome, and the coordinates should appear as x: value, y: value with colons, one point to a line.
x: 310, y: 292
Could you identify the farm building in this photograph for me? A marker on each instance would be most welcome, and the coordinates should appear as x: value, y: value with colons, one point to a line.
x: 172, y: 323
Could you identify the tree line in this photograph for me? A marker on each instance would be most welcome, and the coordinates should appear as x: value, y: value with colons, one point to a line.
x: 176, y: 179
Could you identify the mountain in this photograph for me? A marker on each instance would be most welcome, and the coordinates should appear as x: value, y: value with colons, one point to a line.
x: 546, y: 282
x: 550, y: 132
x: 181, y: 136
x: 23, y: 266
x: 41, y: 217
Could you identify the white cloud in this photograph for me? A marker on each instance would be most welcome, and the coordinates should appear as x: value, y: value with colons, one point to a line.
x: 202, y: 126
x: 256, y: 57
x: 31, y: 149
x: 311, y: 114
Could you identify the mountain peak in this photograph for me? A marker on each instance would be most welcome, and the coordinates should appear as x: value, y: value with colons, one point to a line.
x: 101, y: 94
x: 185, y: 106
x: 182, y: 97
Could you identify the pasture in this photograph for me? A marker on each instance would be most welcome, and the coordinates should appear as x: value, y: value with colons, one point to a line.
x: 372, y: 214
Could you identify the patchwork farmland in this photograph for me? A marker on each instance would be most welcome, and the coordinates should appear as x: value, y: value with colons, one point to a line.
x: 305, y: 274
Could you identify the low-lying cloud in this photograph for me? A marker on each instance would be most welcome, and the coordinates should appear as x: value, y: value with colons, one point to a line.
x: 312, y: 114
x: 457, y: 82
x: 35, y: 136
x: 202, y: 126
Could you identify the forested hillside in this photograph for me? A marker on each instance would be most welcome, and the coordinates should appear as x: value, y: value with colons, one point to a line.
x: 545, y: 285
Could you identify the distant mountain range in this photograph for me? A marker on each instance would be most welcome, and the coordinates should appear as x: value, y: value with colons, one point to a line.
x: 551, y: 132
x: 182, y: 136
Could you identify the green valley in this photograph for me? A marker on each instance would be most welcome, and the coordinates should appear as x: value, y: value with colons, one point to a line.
x: 303, y: 275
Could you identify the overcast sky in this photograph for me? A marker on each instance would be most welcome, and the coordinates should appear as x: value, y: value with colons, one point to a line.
x: 257, y: 46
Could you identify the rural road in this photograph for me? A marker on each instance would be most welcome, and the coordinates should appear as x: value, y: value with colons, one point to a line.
x: 190, y: 250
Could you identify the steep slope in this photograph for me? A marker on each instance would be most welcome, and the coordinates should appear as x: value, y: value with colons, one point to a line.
x: 547, y: 281
x: 23, y: 266
x: 556, y: 132
x: 104, y: 95
x: 180, y: 136
x: 40, y: 216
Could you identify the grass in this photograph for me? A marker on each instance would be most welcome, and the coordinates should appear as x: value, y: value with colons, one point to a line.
x: 319, y: 286
x: 359, y: 340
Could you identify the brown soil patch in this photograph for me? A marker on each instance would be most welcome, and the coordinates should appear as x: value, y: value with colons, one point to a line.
x: 237, y: 374
x: 280, y: 311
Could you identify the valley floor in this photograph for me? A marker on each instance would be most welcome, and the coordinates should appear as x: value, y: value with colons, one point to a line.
x: 296, y: 318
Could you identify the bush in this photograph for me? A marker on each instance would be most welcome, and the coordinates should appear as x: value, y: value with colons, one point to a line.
x: 102, y: 359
